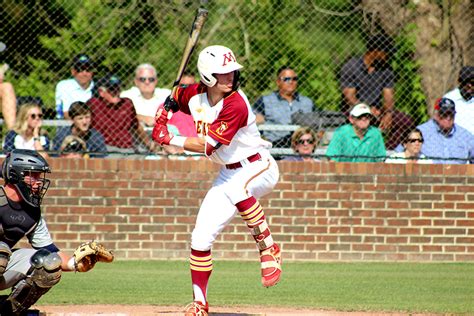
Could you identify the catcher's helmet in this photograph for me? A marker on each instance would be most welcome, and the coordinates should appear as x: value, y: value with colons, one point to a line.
x: 17, y: 164
x: 216, y: 59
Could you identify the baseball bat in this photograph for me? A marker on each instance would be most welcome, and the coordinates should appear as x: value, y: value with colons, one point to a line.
x: 198, y: 23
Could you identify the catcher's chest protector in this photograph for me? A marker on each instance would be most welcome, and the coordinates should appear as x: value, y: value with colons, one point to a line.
x: 16, y: 220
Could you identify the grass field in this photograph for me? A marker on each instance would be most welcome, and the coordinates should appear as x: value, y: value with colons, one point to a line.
x: 401, y: 287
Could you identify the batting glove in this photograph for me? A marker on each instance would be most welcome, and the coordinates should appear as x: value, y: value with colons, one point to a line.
x: 161, y: 116
x: 161, y: 135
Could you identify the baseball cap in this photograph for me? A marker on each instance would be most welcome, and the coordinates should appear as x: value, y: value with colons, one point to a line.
x: 445, y: 105
x: 82, y: 61
x: 110, y: 82
x: 466, y: 74
x: 360, y: 109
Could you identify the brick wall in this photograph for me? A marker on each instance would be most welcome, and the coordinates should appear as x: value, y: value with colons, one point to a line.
x: 318, y: 211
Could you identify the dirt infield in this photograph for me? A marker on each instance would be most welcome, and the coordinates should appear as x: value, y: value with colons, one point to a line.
x: 151, y: 310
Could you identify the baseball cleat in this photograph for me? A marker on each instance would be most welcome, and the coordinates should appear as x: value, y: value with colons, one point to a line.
x: 271, y: 265
x: 196, y: 309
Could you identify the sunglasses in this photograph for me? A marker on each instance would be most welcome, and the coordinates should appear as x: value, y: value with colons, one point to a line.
x: 414, y: 140
x: 303, y: 141
x: 289, y: 79
x: 83, y: 68
x: 34, y: 116
x: 144, y: 79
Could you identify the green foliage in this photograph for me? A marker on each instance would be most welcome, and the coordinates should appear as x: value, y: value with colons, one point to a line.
x: 389, y: 287
x: 409, y: 94
x: 263, y: 34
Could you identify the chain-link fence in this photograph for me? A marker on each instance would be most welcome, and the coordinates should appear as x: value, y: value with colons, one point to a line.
x: 397, y: 57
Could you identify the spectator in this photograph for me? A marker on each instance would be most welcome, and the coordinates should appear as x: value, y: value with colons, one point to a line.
x: 277, y: 107
x: 182, y: 123
x: 412, y: 143
x: 187, y: 79
x: 78, y: 88
x: 394, y: 135
x: 146, y: 97
x: 445, y: 141
x: 27, y: 132
x: 81, y: 117
x: 7, y: 99
x: 370, y: 80
x: 463, y: 97
x: 303, y: 142
x: 115, y: 118
x: 357, y: 141
x: 73, y: 147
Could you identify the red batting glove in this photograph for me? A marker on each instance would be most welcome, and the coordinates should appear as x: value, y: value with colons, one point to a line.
x: 161, y: 116
x: 161, y: 135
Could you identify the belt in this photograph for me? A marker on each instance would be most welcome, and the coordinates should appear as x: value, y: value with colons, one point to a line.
x: 239, y: 164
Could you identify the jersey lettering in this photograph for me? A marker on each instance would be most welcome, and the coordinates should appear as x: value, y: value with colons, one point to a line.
x: 202, y: 128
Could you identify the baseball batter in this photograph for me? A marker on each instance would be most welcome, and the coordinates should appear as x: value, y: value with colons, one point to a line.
x: 228, y: 135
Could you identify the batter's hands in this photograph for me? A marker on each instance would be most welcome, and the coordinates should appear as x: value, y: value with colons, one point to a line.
x: 161, y: 135
x: 161, y: 116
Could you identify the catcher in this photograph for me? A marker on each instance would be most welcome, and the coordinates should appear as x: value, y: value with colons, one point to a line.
x: 31, y: 272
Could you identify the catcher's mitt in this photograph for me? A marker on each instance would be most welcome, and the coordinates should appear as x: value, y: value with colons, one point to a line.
x: 87, y: 254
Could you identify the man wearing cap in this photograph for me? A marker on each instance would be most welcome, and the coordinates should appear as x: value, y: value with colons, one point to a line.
x: 445, y: 141
x: 115, y: 118
x: 463, y: 97
x: 357, y: 141
x: 81, y: 117
x: 370, y: 80
x: 78, y: 88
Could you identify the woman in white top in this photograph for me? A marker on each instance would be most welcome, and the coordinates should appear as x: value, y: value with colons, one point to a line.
x: 412, y: 154
x: 27, y: 132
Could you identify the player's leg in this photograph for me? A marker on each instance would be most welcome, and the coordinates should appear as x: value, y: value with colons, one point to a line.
x: 8, y: 102
x: 31, y: 273
x: 249, y: 184
x: 215, y: 213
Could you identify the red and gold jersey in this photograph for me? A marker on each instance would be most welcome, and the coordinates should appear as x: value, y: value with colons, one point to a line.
x: 230, y: 123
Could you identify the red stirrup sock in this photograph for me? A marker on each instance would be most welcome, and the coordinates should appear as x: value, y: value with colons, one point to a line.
x: 201, y: 268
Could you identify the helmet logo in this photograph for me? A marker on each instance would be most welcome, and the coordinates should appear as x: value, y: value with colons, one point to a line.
x: 228, y: 58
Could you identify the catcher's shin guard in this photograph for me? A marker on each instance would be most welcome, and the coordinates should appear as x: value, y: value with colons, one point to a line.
x: 44, y: 273
x: 5, y: 253
x: 196, y: 309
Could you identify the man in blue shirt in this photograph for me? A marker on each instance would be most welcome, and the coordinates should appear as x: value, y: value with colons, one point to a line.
x: 445, y: 141
x: 278, y: 107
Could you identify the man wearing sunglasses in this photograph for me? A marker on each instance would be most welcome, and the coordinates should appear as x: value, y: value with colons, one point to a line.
x: 78, y: 88
x: 444, y: 140
x: 278, y: 107
x: 146, y: 97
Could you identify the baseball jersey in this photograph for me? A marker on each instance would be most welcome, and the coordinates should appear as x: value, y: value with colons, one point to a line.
x: 230, y: 123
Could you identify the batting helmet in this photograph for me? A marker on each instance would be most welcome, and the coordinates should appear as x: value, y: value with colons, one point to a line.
x: 216, y: 59
x: 17, y: 164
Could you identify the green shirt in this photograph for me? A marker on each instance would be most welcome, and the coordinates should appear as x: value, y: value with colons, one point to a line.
x: 345, y: 145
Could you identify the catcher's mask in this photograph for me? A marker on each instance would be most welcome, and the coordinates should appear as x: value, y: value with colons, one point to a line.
x: 26, y: 170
